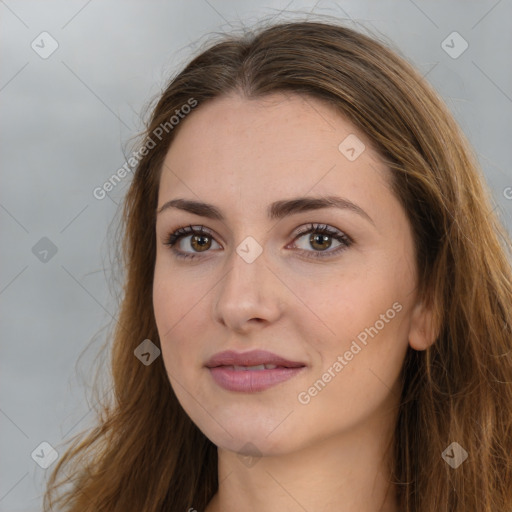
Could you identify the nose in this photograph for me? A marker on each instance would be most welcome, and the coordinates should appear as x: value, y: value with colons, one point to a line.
x: 249, y: 295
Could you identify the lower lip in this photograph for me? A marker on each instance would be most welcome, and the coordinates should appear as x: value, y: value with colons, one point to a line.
x: 249, y: 381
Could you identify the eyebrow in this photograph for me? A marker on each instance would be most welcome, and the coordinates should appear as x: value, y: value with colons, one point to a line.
x: 276, y: 210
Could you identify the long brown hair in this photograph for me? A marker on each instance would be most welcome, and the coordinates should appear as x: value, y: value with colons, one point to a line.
x: 145, y: 454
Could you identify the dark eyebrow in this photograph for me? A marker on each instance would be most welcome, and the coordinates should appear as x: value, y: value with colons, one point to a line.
x: 276, y: 210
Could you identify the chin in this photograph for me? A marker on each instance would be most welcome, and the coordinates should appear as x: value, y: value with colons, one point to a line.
x: 252, y: 439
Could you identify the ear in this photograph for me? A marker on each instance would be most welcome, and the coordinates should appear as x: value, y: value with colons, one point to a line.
x: 423, y: 331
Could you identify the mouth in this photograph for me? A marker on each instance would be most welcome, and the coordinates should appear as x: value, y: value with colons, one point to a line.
x: 251, y: 371
x: 256, y: 368
x: 257, y: 360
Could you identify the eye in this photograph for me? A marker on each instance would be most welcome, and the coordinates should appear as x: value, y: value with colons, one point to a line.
x: 320, y: 239
x: 200, y: 241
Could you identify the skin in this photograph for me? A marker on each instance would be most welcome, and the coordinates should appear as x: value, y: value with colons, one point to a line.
x: 241, y: 155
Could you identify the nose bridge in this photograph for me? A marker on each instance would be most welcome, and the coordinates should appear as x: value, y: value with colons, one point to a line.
x: 246, y: 279
x: 247, y: 290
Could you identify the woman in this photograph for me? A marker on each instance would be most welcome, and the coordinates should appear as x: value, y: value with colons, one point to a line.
x: 310, y: 245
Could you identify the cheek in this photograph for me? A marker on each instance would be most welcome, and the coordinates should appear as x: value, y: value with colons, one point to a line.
x: 364, y: 319
x: 165, y: 305
x: 345, y: 305
x: 177, y: 313
x: 174, y: 297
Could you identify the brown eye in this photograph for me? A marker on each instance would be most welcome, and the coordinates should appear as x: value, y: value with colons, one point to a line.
x: 320, y: 239
x: 320, y: 242
x: 316, y: 245
x: 200, y: 242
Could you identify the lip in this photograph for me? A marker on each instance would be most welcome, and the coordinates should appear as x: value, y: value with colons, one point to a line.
x: 221, y: 368
x: 251, y: 358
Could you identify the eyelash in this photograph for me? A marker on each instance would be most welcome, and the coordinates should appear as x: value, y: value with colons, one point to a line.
x: 323, y: 229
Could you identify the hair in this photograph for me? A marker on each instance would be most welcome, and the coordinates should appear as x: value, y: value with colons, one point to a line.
x: 145, y: 453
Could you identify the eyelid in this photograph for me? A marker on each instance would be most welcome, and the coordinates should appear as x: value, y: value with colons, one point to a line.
x: 341, y: 237
x: 175, y: 236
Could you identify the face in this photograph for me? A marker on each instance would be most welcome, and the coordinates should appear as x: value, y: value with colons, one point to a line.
x: 330, y: 288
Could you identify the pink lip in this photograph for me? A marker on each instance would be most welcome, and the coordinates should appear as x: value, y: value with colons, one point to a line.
x: 248, y: 381
x: 251, y: 358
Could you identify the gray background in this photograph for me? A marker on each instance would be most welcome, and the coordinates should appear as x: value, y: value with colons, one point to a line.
x: 65, y: 124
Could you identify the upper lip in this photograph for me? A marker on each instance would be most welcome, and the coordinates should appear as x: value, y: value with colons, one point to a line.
x: 252, y: 358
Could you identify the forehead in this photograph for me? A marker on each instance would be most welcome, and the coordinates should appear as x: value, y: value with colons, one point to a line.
x: 266, y: 148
